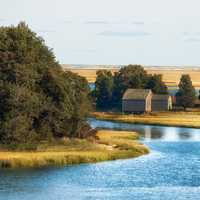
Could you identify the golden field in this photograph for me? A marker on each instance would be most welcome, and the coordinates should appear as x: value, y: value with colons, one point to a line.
x: 170, y: 76
x: 178, y: 119
x: 110, y: 145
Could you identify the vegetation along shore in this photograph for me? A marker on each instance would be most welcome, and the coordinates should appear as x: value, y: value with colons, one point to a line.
x: 190, y: 119
x: 107, y: 145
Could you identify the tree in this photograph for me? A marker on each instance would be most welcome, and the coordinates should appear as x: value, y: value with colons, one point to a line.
x: 199, y: 95
x: 185, y: 96
x: 156, y: 84
x: 131, y: 76
x: 38, y: 99
x: 104, y: 89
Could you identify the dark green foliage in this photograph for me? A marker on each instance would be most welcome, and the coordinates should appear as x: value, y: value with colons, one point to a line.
x: 38, y: 100
x: 156, y: 84
x: 185, y: 96
x: 131, y: 76
x: 110, y: 89
x: 104, y: 89
x: 199, y: 95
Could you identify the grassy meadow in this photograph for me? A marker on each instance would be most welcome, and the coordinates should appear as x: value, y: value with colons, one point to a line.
x: 178, y: 119
x: 170, y: 76
x: 108, y: 145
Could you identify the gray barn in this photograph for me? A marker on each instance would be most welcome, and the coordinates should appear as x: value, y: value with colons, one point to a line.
x: 161, y: 102
x: 137, y: 100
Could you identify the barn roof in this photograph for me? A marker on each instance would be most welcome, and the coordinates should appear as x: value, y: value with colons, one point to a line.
x: 161, y: 97
x: 139, y: 94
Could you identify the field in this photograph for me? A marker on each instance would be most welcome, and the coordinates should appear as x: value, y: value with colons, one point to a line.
x: 109, y: 145
x: 178, y: 119
x: 171, y: 76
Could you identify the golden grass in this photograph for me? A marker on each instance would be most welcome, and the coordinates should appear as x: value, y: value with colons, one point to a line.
x: 111, y: 145
x: 170, y: 77
x: 180, y: 119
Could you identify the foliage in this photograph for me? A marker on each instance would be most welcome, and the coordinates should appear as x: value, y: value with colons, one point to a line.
x: 131, y: 76
x: 199, y: 95
x: 185, y: 96
x: 156, y: 84
x: 38, y: 100
x: 104, y: 89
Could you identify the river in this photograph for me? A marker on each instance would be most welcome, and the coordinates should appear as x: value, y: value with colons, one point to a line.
x: 170, y: 172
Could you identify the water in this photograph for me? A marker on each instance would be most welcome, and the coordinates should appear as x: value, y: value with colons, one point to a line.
x: 170, y: 172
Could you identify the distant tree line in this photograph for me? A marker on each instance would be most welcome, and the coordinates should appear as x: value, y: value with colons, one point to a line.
x: 109, y: 88
x: 38, y: 100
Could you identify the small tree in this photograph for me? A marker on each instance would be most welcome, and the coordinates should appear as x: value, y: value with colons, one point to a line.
x: 186, y: 94
x: 104, y: 89
x: 156, y: 84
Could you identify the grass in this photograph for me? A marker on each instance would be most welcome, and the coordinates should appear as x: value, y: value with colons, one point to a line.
x: 190, y: 119
x: 171, y: 77
x: 110, y: 145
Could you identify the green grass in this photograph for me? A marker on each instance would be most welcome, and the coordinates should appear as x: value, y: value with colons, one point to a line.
x: 111, y: 145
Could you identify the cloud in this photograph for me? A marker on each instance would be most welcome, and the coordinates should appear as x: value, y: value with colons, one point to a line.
x: 124, y: 34
x: 97, y: 22
x: 138, y: 22
x: 192, y: 40
x: 67, y: 21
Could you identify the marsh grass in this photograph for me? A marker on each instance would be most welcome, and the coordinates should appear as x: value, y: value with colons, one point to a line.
x: 111, y: 145
x: 180, y: 119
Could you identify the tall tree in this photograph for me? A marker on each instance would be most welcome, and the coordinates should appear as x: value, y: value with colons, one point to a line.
x: 156, y: 84
x: 37, y: 98
x: 104, y: 89
x: 185, y: 96
x: 131, y: 76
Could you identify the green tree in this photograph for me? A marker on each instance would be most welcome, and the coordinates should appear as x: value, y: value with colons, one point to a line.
x: 156, y: 84
x: 131, y: 76
x: 38, y: 99
x: 199, y: 95
x: 104, y: 89
x: 185, y: 96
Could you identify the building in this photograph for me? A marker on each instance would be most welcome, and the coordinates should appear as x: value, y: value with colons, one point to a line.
x: 137, y: 100
x: 143, y: 100
x: 161, y: 102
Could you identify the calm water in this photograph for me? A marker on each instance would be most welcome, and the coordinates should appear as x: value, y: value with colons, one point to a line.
x: 170, y: 172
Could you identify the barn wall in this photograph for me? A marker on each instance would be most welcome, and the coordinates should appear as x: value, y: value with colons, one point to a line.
x: 134, y: 106
x: 160, y: 105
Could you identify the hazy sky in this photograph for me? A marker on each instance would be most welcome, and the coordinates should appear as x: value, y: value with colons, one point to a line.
x: 150, y: 32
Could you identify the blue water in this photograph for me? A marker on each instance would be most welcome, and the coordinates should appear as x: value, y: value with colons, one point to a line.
x: 170, y: 172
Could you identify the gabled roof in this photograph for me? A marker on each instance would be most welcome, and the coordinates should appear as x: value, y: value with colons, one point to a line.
x: 140, y: 94
x: 161, y: 97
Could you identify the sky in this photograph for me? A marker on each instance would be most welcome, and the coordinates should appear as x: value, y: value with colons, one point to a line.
x: 147, y: 32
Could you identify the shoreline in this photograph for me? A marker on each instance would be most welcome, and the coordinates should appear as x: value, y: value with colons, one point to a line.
x: 110, y: 145
x: 170, y: 119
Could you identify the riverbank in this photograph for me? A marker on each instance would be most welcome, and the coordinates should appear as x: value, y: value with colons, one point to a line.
x: 177, y: 119
x: 109, y: 145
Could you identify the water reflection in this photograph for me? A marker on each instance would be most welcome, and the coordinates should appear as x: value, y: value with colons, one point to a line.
x: 149, y: 133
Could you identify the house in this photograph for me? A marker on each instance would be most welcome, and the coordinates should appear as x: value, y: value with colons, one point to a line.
x: 161, y: 102
x: 137, y: 100
x: 143, y: 100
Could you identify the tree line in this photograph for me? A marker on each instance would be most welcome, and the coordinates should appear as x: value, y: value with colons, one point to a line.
x: 109, y: 88
x: 38, y: 100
